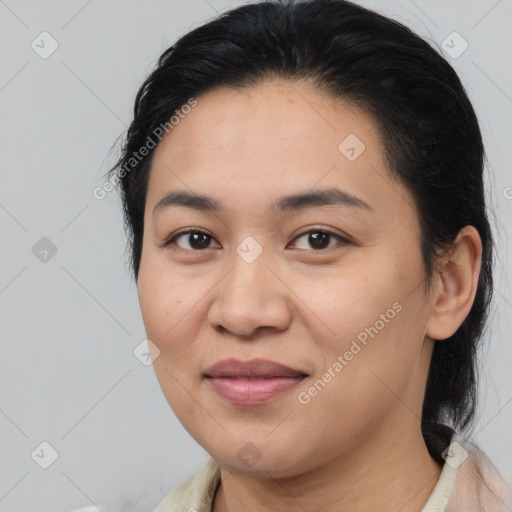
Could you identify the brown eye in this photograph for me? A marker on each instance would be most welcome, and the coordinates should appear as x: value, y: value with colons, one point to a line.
x: 197, y: 240
x: 320, y: 239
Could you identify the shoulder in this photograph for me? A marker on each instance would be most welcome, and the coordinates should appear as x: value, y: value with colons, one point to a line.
x: 479, y: 487
x: 195, y: 494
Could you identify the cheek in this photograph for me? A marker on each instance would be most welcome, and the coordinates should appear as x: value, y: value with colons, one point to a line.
x: 343, y: 303
x: 159, y: 308
x: 165, y: 302
x: 360, y: 383
x: 172, y: 313
x: 374, y: 327
x: 374, y: 375
x: 170, y: 322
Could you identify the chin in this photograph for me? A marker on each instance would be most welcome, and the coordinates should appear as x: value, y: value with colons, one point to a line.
x: 260, y: 462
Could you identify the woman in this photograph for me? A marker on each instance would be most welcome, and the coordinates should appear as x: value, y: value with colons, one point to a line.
x: 303, y: 196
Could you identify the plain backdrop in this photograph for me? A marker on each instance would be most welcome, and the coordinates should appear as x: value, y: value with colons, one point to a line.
x: 74, y: 396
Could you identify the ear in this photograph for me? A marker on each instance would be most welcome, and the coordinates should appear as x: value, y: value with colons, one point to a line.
x: 454, y: 286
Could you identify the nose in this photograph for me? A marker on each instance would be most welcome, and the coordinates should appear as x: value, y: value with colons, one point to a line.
x: 251, y: 296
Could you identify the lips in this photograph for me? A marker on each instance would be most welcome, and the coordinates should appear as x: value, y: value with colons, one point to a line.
x: 251, y: 383
x: 253, y: 369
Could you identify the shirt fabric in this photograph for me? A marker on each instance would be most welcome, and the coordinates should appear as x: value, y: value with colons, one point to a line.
x: 468, y: 483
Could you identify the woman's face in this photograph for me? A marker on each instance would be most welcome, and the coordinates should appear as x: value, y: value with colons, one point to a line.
x: 347, y: 308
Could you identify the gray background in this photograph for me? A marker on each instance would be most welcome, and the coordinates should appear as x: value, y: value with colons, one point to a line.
x: 69, y: 325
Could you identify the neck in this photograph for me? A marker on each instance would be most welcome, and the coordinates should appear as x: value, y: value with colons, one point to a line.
x: 387, y: 472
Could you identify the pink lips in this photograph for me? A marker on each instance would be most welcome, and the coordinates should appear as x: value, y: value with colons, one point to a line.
x: 251, y: 382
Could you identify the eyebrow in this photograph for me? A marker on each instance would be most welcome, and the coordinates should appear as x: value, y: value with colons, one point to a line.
x: 294, y: 202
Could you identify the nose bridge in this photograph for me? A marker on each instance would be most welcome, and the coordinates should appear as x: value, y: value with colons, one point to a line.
x: 250, y: 296
x: 248, y: 275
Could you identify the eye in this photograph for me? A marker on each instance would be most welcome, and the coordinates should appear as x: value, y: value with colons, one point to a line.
x: 319, y: 238
x: 198, y: 240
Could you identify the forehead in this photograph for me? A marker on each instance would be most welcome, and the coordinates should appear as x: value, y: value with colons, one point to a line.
x: 271, y: 115
x: 257, y: 144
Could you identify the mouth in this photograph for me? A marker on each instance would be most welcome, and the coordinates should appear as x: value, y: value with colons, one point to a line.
x: 252, y: 382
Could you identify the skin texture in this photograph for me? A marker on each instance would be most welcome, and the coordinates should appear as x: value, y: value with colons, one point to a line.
x: 357, y: 444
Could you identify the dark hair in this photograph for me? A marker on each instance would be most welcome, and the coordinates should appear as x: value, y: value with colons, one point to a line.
x: 429, y: 130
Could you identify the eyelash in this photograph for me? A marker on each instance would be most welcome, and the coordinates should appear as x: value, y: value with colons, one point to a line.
x: 172, y: 240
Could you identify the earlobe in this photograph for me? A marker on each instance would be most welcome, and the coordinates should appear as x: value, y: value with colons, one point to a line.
x: 455, y: 285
